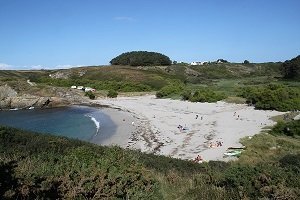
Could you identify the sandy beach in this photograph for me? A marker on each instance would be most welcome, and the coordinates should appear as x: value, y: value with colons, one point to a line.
x: 123, y: 128
x: 182, y: 129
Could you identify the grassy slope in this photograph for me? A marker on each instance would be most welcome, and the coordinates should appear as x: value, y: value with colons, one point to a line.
x: 40, y: 166
x: 155, y: 77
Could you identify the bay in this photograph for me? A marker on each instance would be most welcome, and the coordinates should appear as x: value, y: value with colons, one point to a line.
x: 79, y: 122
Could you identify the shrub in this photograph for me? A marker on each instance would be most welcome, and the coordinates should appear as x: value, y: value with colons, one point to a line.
x: 90, y: 94
x: 291, y: 161
x: 291, y: 128
x: 206, y: 95
x: 186, y: 95
x: 272, y: 97
x: 112, y: 94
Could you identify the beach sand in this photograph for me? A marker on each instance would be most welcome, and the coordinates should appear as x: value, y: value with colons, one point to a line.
x: 156, y: 121
x: 122, y: 127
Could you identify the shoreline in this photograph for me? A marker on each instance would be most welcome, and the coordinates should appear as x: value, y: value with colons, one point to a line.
x: 157, y: 121
x: 175, y: 128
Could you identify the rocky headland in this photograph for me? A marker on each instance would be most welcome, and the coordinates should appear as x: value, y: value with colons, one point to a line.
x: 11, y: 99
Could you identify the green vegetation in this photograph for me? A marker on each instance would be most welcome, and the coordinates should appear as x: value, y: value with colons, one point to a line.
x: 112, y: 94
x: 209, y: 82
x: 38, y: 166
x: 291, y: 68
x: 291, y: 128
x: 173, y: 88
x: 42, y: 166
x: 122, y: 86
x: 203, y: 95
x: 141, y: 58
x: 90, y: 94
x: 272, y: 97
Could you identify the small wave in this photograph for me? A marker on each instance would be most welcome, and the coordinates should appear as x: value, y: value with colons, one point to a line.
x: 95, y: 122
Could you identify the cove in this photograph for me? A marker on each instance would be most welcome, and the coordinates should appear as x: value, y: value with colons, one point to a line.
x: 79, y: 122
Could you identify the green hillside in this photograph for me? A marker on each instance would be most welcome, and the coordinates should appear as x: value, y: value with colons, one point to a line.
x: 147, y: 78
x: 205, y: 83
x: 37, y: 166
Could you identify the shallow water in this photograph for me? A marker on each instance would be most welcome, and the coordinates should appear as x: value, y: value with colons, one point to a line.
x: 80, y: 122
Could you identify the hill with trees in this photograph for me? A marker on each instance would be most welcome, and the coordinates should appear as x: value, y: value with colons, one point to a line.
x: 141, y: 58
x: 210, y: 82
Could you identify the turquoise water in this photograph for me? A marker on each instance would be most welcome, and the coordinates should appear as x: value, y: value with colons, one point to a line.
x: 80, y: 122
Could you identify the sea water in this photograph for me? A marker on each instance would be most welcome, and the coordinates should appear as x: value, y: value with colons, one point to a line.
x: 80, y: 122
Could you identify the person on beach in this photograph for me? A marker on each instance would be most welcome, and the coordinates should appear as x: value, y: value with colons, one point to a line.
x: 179, y: 127
x: 197, y: 116
x: 198, y: 159
x: 219, y: 143
x: 201, y: 117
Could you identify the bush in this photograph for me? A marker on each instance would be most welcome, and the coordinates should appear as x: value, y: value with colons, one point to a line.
x: 291, y: 128
x: 272, y: 97
x: 291, y: 161
x: 206, y: 95
x: 90, y: 94
x: 186, y: 95
x: 112, y: 94
x: 173, y: 88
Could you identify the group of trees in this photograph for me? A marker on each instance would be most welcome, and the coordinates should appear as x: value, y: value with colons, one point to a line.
x: 141, y: 58
x: 291, y: 68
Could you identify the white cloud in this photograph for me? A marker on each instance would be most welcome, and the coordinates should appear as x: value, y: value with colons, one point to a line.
x: 65, y: 66
x: 35, y: 67
x: 124, y: 18
x: 5, y: 66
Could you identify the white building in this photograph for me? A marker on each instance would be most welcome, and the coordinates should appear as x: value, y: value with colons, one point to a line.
x: 199, y: 63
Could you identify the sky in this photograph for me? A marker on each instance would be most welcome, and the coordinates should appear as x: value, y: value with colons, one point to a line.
x: 37, y: 34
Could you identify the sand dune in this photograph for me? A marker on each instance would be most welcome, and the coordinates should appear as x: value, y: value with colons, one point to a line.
x: 157, y: 120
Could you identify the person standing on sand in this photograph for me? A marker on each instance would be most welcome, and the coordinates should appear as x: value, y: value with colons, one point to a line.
x: 197, y: 116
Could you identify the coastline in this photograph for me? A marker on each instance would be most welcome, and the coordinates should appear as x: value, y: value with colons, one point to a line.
x: 121, y: 124
x: 155, y: 128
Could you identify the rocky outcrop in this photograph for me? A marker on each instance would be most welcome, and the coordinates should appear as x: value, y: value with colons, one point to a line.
x: 6, y: 91
x: 9, y: 99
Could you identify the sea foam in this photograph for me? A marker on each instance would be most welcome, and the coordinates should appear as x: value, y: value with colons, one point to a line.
x: 97, y: 123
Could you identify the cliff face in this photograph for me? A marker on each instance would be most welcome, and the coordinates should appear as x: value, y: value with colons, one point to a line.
x: 10, y: 99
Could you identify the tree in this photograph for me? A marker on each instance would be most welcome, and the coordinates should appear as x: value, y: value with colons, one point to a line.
x: 222, y: 61
x: 246, y: 62
x: 291, y: 68
x: 141, y: 58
